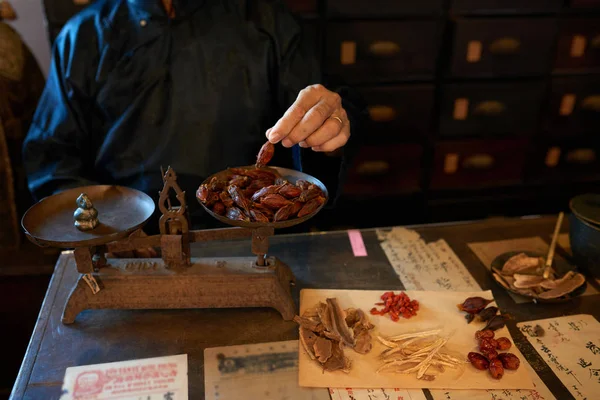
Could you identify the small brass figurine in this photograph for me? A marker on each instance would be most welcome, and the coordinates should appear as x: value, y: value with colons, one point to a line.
x: 86, y: 216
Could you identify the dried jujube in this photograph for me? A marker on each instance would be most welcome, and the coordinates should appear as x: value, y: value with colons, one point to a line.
x: 478, y: 361
x: 503, y: 344
x: 496, y: 368
x: 509, y: 361
x: 484, y: 334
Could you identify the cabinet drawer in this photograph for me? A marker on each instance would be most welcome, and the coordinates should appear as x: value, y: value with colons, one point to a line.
x: 566, y: 160
x: 490, y: 109
x: 60, y: 11
x: 382, y: 8
x: 505, y: 6
x: 502, y: 47
x: 384, y: 51
x: 398, y: 112
x: 578, y: 48
x: 478, y: 163
x: 385, y: 170
x: 302, y: 6
x: 574, y: 106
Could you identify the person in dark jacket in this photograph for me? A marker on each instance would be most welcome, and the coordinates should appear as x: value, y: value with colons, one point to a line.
x: 198, y: 85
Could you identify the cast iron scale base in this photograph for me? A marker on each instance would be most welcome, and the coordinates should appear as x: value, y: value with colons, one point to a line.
x: 174, y: 281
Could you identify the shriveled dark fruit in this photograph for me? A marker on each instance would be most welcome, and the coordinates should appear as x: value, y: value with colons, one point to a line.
x: 216, y: 185
x: 469, y: 318
x: 272, y: 189
x: 310, y: 194
x: 226, y: 199
x: 302, y: 184
x: 473, y: 305
x: 283, y: 213
x: 219, y: 208
x: 212, y: 199
x: 496, y: 368
x: 281, y: 181
x: 490, y: 354
x: 478, y: 361
x: 290, y: 191
x: 311, y: 206
x: 239, y: 181
x: 239, y: 198
x: 258, y: 216
x: 274, y: 201
x: 236, y: 214
x: 484, y: 334
x: 266, y: 211
x: 296, y: 207
x: 486, y: 314
x: 258, y: 184
x: 260, y: 174
x: 202, y: 193
x: 503, y: 344
x: 509, y: 361
x: 487, y: 345
x: 497, y: 322
x: 265, y: 154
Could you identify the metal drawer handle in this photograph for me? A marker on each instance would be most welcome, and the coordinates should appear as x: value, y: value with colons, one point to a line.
x: 591, y: 103
x: 381, y: 113
x: 489, y: 108
x: 384, y: 48
x: 581, y: 156
x: 479, y: 161
x: 373, y: 168
x: 504, y: 46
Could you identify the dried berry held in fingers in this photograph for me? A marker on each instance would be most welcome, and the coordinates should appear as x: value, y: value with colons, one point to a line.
x: 473, y: 305
x: 484, y: 334
x: 496, y: 368
x: 503, y: 344
x: 509, y: 361
x: 478, y: 361
x: 265, y: 154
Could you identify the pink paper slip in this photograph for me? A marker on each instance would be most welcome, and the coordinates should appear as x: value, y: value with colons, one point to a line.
x: 357, y: 243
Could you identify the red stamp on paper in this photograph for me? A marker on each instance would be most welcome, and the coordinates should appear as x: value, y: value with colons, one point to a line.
x: 88, y: 383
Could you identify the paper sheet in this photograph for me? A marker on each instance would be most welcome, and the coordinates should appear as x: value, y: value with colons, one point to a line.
x: 256, y: 371
x: 160, y: 378
x: 376, y: 394
x: 425, y: 266
x: 488, y: 251
x: 571, y: 347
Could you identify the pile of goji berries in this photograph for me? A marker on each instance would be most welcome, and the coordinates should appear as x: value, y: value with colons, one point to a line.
x: 396, y: 305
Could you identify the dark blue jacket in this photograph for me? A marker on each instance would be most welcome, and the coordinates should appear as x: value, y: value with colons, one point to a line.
x: 130, y: 90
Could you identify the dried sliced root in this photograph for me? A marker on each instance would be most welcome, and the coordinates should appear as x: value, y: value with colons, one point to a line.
x: 415, y: 335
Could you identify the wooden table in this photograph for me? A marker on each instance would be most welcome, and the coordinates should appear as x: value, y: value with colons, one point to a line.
x: 322, y: 260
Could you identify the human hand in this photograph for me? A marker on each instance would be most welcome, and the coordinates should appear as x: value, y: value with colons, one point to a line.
x: 316, y: 120
x: 148, y: 252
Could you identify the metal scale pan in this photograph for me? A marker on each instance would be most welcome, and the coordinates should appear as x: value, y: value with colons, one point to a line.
x: 121, y: 211
x: 288, y: 174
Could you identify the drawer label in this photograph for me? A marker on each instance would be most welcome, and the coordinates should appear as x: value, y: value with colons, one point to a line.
x: 348, y: 53
x: 474, y: 51
x: 461, y: 109
x: 567, y: 104
x: 357, y: 243
x: 451, y: 163
x: 578, y: 45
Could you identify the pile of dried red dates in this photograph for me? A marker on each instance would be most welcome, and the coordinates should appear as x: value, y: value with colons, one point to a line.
x: 396, y: 305
x: 259, y: 195
x: 489, y: 358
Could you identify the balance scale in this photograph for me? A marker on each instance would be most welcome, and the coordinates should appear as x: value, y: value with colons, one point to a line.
x: 176, y: 280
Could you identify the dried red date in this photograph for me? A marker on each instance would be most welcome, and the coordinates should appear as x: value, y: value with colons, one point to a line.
x: 219, y: 208
x: 216, y: 185
x: 274, y: 201
x: 490, y: 354
x: 290, y: 191
x: 302, y: 184
x: 258, y: 216
x: 296, y: 207
x: 273, y: 189
x: 202, y: 193
x: 226, y: 199
x: 283, y: 213
x: 239, y: 181
x: 236, y: 214
x: 311, y: 206
x: 478, y: 361
x: 486, y: 345
x: 239, y: 198
x: 496, y: 368
x: 503, y: 344
x: 509, y: 361
x: 266, y: 211
x: 484, y: 334
x: 310, y: 194
x: 265, y: 154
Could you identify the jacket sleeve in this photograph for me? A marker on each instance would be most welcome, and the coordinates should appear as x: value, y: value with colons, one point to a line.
x: 56, y: 152
x: 299, y: 67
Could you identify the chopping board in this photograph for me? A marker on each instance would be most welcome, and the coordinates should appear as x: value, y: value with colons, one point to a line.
x: 437, y: 310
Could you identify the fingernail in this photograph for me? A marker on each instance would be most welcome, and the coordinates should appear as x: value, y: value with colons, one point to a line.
x: 303, y: 144
x: 268, y: 132
x: 287, y: 143
x: 316, y: 148
x: 274, y: 137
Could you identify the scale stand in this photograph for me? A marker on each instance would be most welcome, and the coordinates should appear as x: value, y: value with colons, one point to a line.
x: 174, y: 281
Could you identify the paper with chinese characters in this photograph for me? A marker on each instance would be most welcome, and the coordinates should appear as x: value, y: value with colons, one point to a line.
x: 267, y: 371
x: 425, y: 266
x: 160, y: 378
x: 377, y: 394
x: 571, y: 347
x: 437, y: 311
